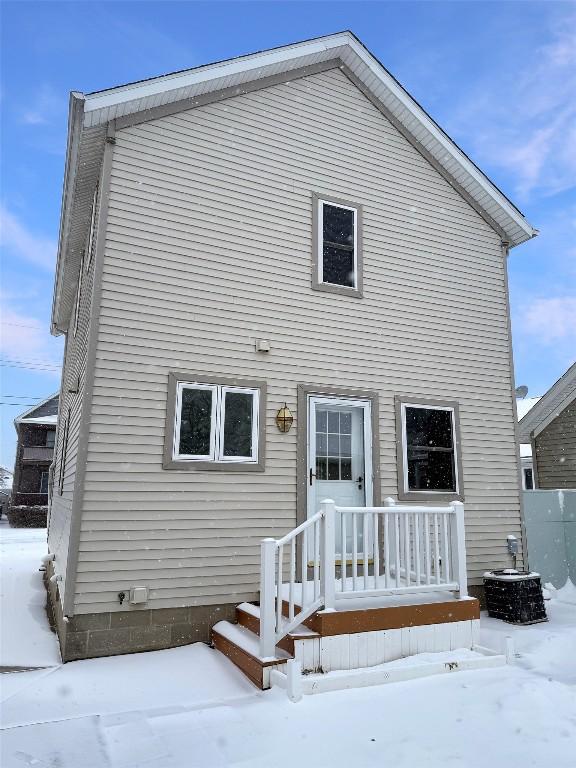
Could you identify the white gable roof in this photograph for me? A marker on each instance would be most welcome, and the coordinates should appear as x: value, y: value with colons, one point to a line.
x: 550, y: 405
x: 90, y: 114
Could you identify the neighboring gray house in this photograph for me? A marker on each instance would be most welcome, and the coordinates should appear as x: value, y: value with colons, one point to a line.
x: 282, y: 236
x: 523, y: 405
x: 36, y: 429
x: 550, y: 428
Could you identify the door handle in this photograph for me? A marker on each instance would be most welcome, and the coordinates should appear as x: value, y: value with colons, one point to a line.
x: 312, y: 474
x: 360, y: 481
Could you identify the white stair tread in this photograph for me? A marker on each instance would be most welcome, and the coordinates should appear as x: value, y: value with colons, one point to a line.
x: 247, y: 641
x: 253, y: 610
x: 301, y: 631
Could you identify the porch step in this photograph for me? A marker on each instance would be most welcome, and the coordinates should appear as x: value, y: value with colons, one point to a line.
x: 242, y: 647
x: 248, y: 615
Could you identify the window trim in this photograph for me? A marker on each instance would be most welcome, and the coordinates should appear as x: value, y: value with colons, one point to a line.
x: 177, y: 381
x: 404, y: 492
x: 318, y: 284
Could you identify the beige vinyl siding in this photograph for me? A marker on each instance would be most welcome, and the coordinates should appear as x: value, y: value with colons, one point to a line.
x: 70, y: 406
x: 208, y: 248
x: 556, y: 451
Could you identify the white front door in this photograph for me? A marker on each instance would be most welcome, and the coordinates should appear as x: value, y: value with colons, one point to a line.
x: 339, y: 452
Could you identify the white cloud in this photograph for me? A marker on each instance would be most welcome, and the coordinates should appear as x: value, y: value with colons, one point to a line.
x: 14, y: 236
x: 524, y: 120
x: 551, y: 320
x: 46, y: 107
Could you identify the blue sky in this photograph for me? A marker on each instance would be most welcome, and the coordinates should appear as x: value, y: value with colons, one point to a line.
x: 500, y: 78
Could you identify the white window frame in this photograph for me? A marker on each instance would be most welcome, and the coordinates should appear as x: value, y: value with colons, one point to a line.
x: 217, y: 420
x: 427, y: 491
x: 320, y: 229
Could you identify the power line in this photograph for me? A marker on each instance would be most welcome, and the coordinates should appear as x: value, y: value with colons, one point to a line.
x: 20, y: 405
x: 26, y: 397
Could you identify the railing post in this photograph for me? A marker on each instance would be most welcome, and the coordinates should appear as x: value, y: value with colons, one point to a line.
x: 268, y: 597
x: 328, y: 554
x: 458, y: 543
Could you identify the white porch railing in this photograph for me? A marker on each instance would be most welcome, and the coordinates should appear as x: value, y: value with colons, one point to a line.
x: 358, y: 552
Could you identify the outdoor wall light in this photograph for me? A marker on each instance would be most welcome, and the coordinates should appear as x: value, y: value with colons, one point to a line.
x: 284, y: 419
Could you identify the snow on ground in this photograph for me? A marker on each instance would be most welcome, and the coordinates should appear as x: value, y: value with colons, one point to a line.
x: 191, y: 708
x: 25, y: 637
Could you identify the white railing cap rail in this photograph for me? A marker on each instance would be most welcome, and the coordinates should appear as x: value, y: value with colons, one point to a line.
x: 293, y: 533
x: 398, y: 508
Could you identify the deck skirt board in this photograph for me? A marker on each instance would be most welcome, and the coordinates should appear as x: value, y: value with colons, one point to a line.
x: 327, y: 623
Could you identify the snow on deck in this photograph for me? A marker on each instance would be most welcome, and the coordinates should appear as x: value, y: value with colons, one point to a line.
x: 191, y: 708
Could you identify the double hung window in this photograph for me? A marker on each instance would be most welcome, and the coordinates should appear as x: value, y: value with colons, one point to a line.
x: 337, y: 261
x: 429, y: 461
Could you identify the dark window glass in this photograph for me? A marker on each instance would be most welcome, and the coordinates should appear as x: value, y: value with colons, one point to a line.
x: 346, y: 423
x: 195, y: 422
x: 338, y: 225
x: 338, y: 246
x: 338, y: 266
x: 238, y: 424
x: 345, y: 445
x: 346, y: 469
x: 321, y: 468
x: 429, y: 427
x: 430, y: 450
x: 529, y: 479
x: 333, y: 468
x: 50, y: 437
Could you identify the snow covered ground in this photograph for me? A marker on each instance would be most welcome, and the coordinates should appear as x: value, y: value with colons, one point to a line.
x: 190, y: 708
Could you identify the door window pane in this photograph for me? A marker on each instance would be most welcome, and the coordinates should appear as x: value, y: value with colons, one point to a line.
x: 335, y: 444
x: 238, y: 417
x: 321, y: 468
x: 346, y: 423
x: 333, y: 468
x: 346, y: 469
x: 195, y: 422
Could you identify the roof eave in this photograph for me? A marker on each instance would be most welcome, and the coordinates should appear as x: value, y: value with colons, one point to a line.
x: 75, y: 124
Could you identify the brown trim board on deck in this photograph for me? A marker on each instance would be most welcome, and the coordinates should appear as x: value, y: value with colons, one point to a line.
x: 331, y: 623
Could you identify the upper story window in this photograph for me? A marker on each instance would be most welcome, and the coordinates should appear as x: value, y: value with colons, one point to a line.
x: 337, y: 246
x: 215, y: 425
x: 50, y: 438
x: 429, y: 464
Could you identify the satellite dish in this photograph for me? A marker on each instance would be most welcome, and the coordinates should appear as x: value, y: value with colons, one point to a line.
x: 521, y: 391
